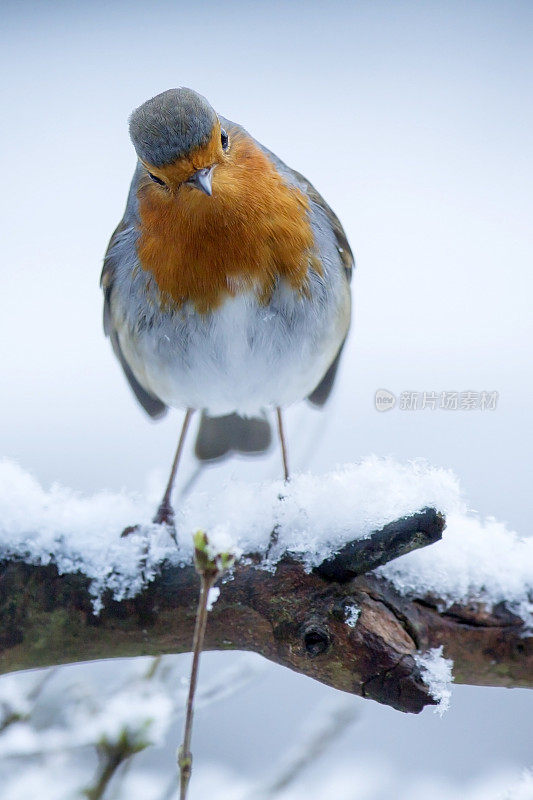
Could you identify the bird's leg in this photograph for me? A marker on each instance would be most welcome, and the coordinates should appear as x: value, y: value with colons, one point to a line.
x: 283, y: 444
x: 165, y: 512
x: 275, y: 533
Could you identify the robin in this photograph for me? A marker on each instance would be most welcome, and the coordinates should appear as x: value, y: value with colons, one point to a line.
x: 226, y: 284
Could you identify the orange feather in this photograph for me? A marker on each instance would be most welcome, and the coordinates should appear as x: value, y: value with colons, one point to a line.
x: 254, y: 229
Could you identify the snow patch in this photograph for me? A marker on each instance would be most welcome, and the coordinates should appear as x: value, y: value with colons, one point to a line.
x: 476, y: 558
x: 437, y: 675
x: 352, y: 614
x: 212, y: 596
x: 313, y: 516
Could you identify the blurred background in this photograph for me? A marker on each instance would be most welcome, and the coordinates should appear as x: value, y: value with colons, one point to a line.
x: 414, y: 121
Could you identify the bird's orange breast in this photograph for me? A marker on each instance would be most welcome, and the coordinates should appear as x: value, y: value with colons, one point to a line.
x: 253, y: 230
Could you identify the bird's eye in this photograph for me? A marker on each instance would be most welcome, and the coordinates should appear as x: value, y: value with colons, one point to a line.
x: 156, y: 179
x: 224, y: 139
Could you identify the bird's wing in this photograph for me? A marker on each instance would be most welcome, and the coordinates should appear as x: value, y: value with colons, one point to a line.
x: 343, y: 247
x: 151, y: 404
x: 321, y: 393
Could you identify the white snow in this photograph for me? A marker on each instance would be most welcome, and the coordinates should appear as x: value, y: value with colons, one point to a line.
x: 15, y: 696
x: 369, y: 779
x: 65, y: 712
x: 437, y: 675
x: 361, y: 779
x: 140, y: 711
x: 476, y: 558
x: 352, y: 614
x: 212, y: 597
x: 41, y: 780
x: 313, y: 516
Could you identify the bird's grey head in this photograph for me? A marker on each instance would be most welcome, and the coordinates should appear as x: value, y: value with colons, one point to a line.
x: 170, y: 125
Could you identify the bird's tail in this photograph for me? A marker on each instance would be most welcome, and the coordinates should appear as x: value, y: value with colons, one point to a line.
x: 220, y: 436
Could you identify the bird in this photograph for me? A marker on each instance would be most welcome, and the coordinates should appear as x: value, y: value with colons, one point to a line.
x: 226, y: 284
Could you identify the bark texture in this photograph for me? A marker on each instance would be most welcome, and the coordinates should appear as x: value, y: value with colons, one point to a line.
x: 294, y: 618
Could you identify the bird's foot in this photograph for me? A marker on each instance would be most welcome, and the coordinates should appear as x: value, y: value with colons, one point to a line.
x: 164, y: 516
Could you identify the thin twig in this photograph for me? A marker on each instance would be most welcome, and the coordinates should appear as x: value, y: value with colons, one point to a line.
x: 209, y: 567
x: 184, y: 752
x: 111, y: 757
x: 284, y: 453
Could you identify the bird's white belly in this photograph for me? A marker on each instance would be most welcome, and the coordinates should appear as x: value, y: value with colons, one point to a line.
x: 242, y: 357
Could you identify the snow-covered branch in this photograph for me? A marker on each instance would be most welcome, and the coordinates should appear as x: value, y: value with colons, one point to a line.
x: 71, y: 589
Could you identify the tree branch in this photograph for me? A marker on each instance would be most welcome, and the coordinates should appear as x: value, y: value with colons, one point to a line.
x: 392, y: 541
x: 289, y: 616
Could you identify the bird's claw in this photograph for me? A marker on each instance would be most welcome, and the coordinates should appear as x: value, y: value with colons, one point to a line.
x: 164, y: 516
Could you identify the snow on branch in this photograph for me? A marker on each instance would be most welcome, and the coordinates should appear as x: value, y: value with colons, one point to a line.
x: 72, y: 589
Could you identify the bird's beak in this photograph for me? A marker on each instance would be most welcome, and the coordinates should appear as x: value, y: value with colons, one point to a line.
x: 202, y: 179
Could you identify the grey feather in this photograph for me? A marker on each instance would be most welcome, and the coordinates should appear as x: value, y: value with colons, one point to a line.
x: 151, y: 404
x: 170, y: 125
